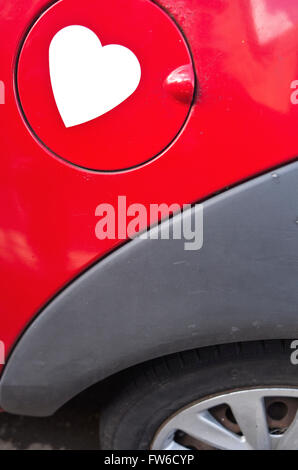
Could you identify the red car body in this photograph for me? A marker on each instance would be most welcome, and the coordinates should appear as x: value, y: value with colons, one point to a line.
x: 240, y: 123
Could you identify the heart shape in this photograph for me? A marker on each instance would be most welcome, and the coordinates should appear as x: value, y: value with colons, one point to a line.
x: 89, y: 80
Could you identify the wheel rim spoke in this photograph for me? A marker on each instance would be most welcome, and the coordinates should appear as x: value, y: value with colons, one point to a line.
x: 289, y: 441
x: 250, y: 414
x: 175, y: 446
x: 204, y: 427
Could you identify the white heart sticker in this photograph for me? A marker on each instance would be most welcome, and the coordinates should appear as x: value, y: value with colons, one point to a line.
x: 89, y: 80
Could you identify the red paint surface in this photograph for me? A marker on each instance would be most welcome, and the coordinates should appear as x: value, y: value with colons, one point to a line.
x: 242, y: 123
x: 131, y: 133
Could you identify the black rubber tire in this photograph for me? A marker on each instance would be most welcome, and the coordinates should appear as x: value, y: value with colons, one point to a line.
x: 149, y: 394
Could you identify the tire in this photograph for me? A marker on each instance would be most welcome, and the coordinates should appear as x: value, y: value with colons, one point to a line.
x: 150, y: 394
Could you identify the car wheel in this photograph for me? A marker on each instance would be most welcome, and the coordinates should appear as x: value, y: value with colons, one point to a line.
x: 238, y: 396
